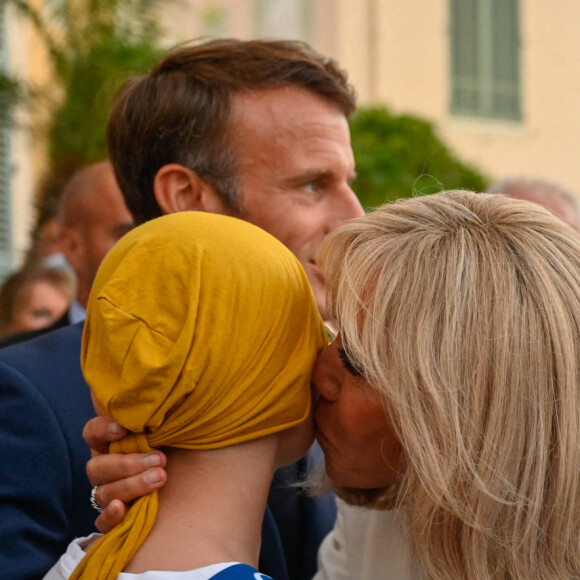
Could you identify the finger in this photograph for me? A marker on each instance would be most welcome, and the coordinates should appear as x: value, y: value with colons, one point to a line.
x: 117, y: 467
x: 112, y: 515
x: 130, y: 488
x: 100, y: 431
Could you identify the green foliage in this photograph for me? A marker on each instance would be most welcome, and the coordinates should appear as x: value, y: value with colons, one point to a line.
x: 400, y: 156
x: 94, y: 46
x: 11, y: 90
x: 77, y: 132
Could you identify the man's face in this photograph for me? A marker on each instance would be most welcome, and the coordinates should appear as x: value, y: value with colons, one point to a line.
x: 106, y: 223
x: 96, y: 222
x: 556, y: 204
x: 295, y: 165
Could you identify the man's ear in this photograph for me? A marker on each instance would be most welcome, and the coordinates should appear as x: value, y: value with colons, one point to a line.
x: 178, y: 188
x: 72, y: 246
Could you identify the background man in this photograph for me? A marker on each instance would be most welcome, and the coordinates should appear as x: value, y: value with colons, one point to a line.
x: 252, y: 129
x: 555, y: 198
x: 92, y: 217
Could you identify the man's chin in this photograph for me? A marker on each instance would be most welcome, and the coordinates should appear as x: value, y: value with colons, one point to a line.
x: 317, y: 283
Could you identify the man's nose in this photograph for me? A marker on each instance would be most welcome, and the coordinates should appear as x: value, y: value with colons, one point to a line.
x: 345, y: 209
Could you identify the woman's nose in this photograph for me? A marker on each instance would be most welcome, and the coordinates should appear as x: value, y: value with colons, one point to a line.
x: 325, y: 379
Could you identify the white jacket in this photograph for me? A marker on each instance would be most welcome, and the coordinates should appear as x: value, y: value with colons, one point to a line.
x: 366, y: 544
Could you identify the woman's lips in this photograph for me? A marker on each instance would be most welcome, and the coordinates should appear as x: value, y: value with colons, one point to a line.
x: 319, y: 434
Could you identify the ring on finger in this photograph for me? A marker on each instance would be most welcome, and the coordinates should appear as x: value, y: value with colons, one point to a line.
x: 94, y: 501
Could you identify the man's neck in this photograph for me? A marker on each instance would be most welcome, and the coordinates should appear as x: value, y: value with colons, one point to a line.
x: 211, y: 508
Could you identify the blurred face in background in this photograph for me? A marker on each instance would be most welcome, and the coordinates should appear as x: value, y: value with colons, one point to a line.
x: 41, y: 305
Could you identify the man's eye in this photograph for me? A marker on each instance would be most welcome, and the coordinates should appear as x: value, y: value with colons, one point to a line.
x: 348, y: 364
x: 312, y: 186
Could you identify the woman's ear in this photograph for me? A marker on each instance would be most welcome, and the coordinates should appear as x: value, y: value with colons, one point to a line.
x: 178, y: 188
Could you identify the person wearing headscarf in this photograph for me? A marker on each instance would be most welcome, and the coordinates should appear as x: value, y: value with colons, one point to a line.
x: 200, y: 337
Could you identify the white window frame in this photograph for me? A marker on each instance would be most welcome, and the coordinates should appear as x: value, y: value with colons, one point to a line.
x: 6, y: 245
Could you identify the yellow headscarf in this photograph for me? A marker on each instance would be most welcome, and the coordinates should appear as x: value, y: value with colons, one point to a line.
x: 201, y: 332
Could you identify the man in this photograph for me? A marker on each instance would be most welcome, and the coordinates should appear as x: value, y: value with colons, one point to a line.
x: 552, y: 196
x: 92, y: 217
x: 253, y: 129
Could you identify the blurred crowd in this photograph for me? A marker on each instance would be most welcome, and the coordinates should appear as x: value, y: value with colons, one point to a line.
x: 74, y: 231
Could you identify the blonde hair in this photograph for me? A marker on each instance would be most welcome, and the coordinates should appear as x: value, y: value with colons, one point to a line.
x: 463, y: 311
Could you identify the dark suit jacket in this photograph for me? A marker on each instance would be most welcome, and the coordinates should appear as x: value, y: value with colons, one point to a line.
x: 44, y: 492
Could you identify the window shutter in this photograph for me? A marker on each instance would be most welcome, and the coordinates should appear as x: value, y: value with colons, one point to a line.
x: 464, y: 56
x: 5, y: 164
x: 484, y: 38
x: 505, y: 57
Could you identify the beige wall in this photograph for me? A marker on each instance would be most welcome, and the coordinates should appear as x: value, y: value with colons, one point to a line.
x: 187, y: 19
x: 352, y: 47
x: 28, y: 58
x: 547, y: 141
x: 25, y: 168
x: 397, y: 52
x: 412, y: 75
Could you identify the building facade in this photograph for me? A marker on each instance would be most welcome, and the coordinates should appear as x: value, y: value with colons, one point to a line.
x: 499, y: 78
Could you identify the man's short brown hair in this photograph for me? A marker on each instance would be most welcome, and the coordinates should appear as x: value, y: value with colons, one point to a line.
x: 181, y: 111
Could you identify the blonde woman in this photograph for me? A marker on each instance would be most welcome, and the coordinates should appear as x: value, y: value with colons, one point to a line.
x: 455, y: 417
x: 200, y: 338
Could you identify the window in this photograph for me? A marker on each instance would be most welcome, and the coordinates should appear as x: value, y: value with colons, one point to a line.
x: 5, y: 126
x: 485, y: 62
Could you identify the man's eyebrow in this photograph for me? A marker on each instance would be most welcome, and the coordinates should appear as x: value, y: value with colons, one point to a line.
x: 316, y: 175
x: 309, y: 175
